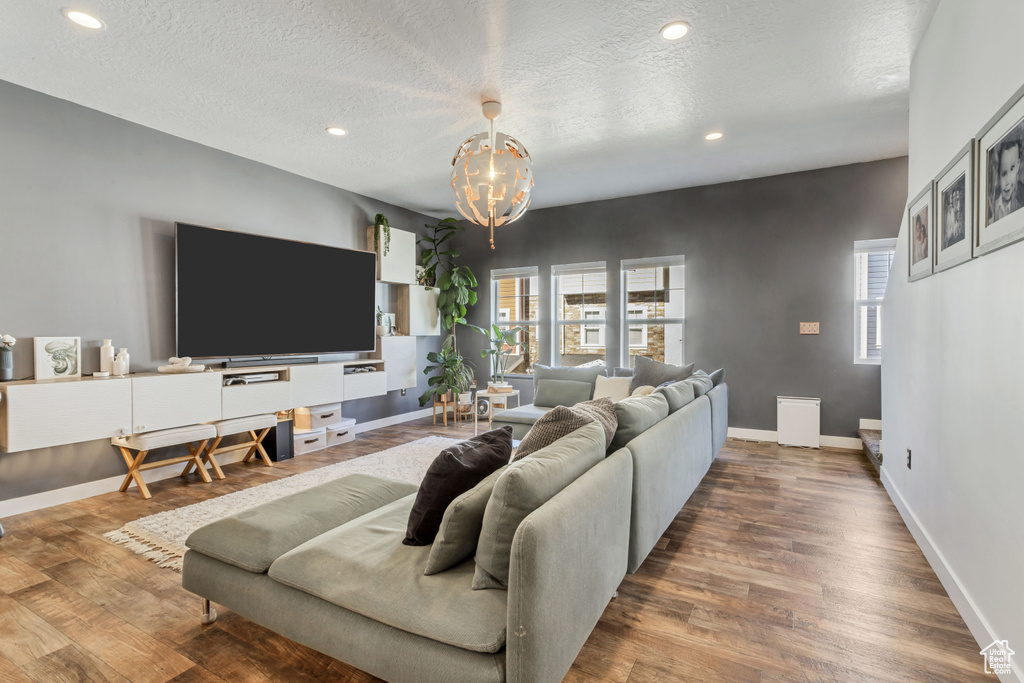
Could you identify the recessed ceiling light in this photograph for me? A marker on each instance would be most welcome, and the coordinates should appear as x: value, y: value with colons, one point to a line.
x: 713, y: 136
x: 675, y: 30
x: 334, y: 130
x: 82, y: 19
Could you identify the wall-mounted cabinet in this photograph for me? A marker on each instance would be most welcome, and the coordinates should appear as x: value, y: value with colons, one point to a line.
x: 166, y: 401
x: 317, y: 383
x: 400, y: 355
x: 417, y: 311
x: 398, y: 266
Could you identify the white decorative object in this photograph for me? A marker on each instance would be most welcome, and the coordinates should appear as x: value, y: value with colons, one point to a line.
x: 6, y: 357
x: 180, y: 366
x: 161, y: 537
x: 58, y: 357
x: 492, y: 183
x: 121, y: 363
x: 107, y: 356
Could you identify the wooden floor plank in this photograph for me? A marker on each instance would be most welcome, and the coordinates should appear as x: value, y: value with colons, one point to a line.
x: 785, y: 565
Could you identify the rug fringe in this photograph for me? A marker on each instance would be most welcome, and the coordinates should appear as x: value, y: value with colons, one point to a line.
x: 167, y: 559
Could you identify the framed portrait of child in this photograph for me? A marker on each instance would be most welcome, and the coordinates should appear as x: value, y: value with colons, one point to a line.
x: 954, y: 211
x: 1000, y: 179
x: 920, y: 216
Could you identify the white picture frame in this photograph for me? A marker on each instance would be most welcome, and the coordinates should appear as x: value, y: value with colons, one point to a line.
x: 58, y: 357
x: 955, y: 216
x: 920, y: 233
x: 1000, y: 215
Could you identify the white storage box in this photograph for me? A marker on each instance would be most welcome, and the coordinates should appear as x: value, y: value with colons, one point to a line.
x: 315, y: 417
x: 343, y: 432
x: 309, y: 441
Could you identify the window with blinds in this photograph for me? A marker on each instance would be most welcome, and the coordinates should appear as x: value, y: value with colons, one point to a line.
x: 515, y: 302
x: 873, y: 261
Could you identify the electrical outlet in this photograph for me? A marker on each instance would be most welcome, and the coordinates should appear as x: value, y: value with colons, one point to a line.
x: 810, y: 328
x: 908, y: 458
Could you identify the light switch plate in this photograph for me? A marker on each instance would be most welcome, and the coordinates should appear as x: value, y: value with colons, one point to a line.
x: 810, y: 328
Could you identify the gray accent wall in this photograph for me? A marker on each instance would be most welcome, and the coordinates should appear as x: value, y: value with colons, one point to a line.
x: 762, y: 256
x: 89, y: 203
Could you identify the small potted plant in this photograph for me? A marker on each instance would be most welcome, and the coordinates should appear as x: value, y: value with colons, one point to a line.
x: 7, y: 357
x: 381, y: 228
x: 502, y: 346
x: 383, y: 330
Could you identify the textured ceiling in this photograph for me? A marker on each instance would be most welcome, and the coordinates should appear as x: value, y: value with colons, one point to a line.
x: 604, y: 105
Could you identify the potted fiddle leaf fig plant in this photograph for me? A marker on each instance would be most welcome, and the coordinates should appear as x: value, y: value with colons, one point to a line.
x: 451, y: 376
x: 456, y: 284
x: 381, y: 228
x: 502, y: 344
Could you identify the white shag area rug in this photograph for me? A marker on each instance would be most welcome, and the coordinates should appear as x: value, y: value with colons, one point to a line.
x: 161, y: 537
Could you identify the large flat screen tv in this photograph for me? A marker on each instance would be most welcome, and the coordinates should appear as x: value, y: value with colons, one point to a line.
x: 246, y: 295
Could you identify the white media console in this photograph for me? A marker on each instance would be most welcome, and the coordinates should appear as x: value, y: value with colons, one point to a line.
x: 45, y: 413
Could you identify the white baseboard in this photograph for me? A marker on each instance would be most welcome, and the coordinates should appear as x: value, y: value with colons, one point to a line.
x: 766, y: 435
x: 69, y: 494
x: 976, y: 622
x: 871, y: 424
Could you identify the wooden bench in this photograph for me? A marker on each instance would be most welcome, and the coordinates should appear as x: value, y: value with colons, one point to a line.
x: 143, y: 444
x: 258, y: 426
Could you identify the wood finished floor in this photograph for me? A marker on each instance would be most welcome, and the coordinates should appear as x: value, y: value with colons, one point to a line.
x: 785, y: 565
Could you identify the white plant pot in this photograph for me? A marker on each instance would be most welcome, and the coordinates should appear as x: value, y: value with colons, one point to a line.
x: 382, y: 330
x: 465, y: 397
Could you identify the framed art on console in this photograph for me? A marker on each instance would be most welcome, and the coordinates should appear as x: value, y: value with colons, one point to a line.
x: 954, y: 211
x: 919, y: 231
x: 1000, y: 184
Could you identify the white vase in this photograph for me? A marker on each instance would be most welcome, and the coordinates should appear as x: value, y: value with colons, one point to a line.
x: 107, y: 356
x: 121, y: 363
x: 382, y: 330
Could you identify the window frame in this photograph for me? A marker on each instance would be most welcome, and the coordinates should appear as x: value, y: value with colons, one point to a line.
x: 497, y: 275
x: 626, y: 320
x: 558, y: 325
x: 860, y: 305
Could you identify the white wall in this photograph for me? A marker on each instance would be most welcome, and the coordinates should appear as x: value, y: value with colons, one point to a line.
x: 953, y: 366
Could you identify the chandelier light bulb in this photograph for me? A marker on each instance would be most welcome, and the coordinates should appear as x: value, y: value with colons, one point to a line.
x: 492, y: 176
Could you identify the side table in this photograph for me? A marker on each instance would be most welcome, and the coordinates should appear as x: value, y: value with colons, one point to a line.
x: 494, y: 397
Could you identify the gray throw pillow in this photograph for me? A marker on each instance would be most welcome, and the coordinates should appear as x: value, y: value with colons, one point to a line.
x: 522, y: 488
x: 549, y: 428
x: 602, y: 410
x: 460, y: 527
x: 562, y: 392
x: 636, y: 415
x: 678, y: 394
x: 701, y: 382
x: 718, y: 376
x: 622, y: 372
x: 649, y: 372
x: 588, y: 374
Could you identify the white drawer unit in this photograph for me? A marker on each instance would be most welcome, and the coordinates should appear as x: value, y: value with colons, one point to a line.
x: 307, y: 442
x: 399, y: 353
x: 315, y: 417
x: 341, y: 433
x: 317, y: 383
x: 799, y: 421
x: 242, y: 400
x: 166, y: 401
x: 365, y: 384
x: 57, y: 412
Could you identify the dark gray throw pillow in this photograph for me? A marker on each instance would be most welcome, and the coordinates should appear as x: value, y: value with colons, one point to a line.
x: 647, y: 372
x: 456, y: 470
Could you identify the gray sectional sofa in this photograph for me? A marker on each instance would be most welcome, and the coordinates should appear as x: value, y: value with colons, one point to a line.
x: 327, y: 568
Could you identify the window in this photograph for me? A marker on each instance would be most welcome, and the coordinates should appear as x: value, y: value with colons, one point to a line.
x: 580, y: 309
x: 515, y: 302
x: 873, y: 260
x: 654, y: 310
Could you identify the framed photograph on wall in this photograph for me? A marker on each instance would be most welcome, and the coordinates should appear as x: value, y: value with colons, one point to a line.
x: 57, y: 357
x: 954, y: 211
x: 1000, y: 183
x: 920, y: 215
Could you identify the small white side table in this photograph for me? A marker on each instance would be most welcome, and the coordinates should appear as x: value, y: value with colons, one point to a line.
x: 493, y: 397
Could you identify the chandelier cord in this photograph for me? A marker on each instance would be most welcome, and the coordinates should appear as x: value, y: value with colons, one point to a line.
x: 490, y: 189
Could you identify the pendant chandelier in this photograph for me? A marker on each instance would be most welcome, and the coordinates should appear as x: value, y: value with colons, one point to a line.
x: 491, y: 183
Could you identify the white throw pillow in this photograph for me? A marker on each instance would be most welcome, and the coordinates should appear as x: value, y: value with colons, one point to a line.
x: 615, y: 388
x: 645, y: 390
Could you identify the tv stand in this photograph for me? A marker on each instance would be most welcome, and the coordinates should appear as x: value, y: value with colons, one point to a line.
x: 257, y: 362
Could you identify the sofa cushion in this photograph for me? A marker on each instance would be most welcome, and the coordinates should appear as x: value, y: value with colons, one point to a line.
x: 622, y: 372
x: 588, y: 374
x: 651, y: 372
x: 522, y: 488
x: 460, y: 527
x: 527, y: 414
x: 615, y: 388
x: 457, y: 469
x: 603, y: 412
x: 718, y: 376
x: 254, y: 538
x: 636, y: 415
x: 701, y: 382
x: 562, y: 392
x: 678, y: 394
x: 553, y: 426
x: 363, y: 566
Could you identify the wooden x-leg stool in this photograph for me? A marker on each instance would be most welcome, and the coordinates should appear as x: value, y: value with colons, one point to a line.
x: 258, y: 426
x: 143, y: 444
